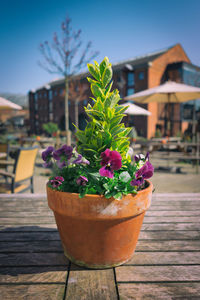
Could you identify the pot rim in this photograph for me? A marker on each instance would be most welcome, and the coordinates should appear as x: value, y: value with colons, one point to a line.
x: 148, y: 188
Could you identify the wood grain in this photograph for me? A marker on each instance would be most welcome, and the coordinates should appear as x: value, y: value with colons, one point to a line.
x: 91, y: 284
x: 48, y: 274
x: 158, y: 273
x: 155, y: 291
x: 32, y: 292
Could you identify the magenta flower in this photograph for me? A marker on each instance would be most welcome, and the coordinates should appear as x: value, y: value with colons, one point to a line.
x: 111, y: 160
x: 81, y: 180
x: 143, y: 173
x: 65, y: 151
x: 57, y: 181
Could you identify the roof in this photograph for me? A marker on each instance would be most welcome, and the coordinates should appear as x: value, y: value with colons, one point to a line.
x: 133, y: 62
x: 140, y: 60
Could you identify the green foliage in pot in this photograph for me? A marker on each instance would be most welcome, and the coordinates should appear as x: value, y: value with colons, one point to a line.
x: 105, y: 129
x: 100, y: 164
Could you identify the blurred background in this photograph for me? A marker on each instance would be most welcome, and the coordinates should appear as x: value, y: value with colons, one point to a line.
x: 45, y: 47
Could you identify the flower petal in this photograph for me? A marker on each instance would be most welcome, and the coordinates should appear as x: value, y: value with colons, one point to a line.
x: 106, y: 172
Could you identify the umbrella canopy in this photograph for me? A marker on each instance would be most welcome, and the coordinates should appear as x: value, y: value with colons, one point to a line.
x: 135, y: 110
x: 6, y: 104
x: 169, y: 92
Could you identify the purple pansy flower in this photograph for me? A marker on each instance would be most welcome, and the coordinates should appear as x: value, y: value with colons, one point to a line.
x: 57, y: 181
x: 63, y: 151
x: 143, y: 173
x: 81, y: 180
x: 111, y: 160
x: 80, y: 160
x: 47, y: 155
x: 61, y: 164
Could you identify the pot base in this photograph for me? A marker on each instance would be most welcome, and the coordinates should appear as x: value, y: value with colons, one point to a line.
x: 93, y: 266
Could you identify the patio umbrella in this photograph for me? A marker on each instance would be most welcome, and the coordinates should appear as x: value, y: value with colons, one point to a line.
x: 6, y: 104
x: 135, y: 110
x: 169, y: 92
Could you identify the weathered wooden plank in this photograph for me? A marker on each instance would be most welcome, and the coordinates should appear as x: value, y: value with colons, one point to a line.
x: 167, y: 226
x: 166, y: 258
x: 168, y: 235
x: 26, y: 213
x: 15, y: 228
x: 29, y: 236
x: 168, y: 245
x: 18, y: 212
x: 175, y: 213
x: 157, y: 273
x: 170, y: 219
x: 177, y: 194
x: 171, y: 207
x: 33, y: 259
x: 52, y: 274
x: 33, y: 246
x: 91, y: 284
x: 28, y: 221
x: 32, y: 292
x: 155, y: 291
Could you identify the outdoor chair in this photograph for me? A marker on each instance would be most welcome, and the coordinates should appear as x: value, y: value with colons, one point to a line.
x: 23, y: 170
x: 4, y: 149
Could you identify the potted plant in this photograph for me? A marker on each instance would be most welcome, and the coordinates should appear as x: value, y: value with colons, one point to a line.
x: 98, y: 195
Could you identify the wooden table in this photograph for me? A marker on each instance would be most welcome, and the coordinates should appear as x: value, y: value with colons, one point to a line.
x: 166, y: 264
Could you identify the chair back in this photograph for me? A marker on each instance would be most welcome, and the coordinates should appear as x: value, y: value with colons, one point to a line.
x: 25, y: 162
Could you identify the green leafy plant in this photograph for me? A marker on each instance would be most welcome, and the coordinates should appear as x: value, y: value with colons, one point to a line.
x: 50, y: 127
x: 101, y: 163
x: 104, y: 130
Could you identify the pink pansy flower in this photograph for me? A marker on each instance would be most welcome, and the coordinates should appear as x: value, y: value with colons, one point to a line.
x: 111, y: 160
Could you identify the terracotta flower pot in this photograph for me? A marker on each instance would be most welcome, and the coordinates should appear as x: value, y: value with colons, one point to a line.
x: 97, y: 232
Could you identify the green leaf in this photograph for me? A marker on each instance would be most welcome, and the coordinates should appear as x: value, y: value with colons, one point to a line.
x: 124, y: 176
x: 81, y: 136
x: 94, y: 71
x: 103, y: 65
x: 115, y: 121
x: 120, y: 109
x: 97, y: 91
x: 91, y: 80
x: 118, y: 196
x: 107, y: 76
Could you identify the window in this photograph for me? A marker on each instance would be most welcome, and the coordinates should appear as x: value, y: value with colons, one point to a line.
x: 85, y: 102
x: 141, y: 76
x: 130, y: 83
x: 130, y: 91
x: 50, y: 95
x: 61, y: 92
x: 55, y: 93
x: 50, y: 106
x: 130, y: 79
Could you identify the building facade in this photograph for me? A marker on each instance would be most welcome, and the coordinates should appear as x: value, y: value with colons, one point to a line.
x: 46, y: 104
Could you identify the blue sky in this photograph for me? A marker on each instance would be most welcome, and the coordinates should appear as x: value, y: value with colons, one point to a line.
x: 119, y: 29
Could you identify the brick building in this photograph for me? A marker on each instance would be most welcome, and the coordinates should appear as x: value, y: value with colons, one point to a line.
x: 47, y: 102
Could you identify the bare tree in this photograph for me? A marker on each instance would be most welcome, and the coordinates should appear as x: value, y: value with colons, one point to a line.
x: 61, y: 57
x: 77, y: 91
